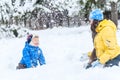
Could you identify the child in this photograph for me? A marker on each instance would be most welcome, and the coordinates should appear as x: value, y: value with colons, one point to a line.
x: 32, y: 54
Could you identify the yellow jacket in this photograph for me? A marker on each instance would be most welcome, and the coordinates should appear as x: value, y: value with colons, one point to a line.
x: 105, y: 41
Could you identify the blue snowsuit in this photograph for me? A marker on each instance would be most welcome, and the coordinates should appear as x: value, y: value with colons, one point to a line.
x: 31, y: 56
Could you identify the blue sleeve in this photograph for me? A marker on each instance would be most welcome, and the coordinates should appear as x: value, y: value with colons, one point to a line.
x: 41, y: 58
x: 26, y: 57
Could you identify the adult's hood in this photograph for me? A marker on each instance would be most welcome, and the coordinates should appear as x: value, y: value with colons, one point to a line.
x: 105, y: 23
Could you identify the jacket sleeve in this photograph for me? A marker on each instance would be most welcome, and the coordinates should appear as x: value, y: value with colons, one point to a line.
x: 109, y: 42
x: 109, y: 38
x: 41, y: 58
x: 26, y: 57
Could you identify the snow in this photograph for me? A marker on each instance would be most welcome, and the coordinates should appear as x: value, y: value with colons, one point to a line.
x: 71, y: 5
x: 113, y: 1
x: 62, y: 48
x: 9, y: 31
x: 18, y: 9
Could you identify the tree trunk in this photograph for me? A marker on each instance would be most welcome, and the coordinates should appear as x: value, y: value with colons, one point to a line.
x: 114, y: 13
x: 29, y: 23
x: 68, y: 21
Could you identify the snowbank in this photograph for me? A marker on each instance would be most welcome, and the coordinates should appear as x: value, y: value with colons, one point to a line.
x: 62, y: 48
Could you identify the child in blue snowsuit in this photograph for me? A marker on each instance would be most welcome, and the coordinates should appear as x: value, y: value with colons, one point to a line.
x: 32, y: 54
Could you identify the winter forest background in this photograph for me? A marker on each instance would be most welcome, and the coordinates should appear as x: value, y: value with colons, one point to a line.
x: 43, y: 14
x: 65, y: 38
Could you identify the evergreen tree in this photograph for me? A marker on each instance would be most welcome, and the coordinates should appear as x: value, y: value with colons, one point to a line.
x: 39, y: 1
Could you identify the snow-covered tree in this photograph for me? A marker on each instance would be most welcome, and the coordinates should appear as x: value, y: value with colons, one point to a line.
x: 114, y: 10
x: 105, y: 5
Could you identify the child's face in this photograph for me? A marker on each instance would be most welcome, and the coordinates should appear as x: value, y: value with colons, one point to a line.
x: 35, y: 41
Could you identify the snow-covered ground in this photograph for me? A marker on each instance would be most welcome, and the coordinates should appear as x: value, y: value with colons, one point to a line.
x: 62, y: 48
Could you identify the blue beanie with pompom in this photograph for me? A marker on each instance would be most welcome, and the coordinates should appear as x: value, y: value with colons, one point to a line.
x: 96, y: 15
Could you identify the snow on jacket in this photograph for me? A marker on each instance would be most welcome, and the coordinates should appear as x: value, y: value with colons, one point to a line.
x: 31, y: 56
x: 105, y: 41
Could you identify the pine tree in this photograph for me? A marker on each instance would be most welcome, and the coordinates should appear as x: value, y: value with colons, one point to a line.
x: 39, y: 1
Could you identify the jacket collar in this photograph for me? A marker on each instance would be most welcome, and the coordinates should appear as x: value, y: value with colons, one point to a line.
x: 30, y: 45
x: 101, y: 25
x: 105, y: 23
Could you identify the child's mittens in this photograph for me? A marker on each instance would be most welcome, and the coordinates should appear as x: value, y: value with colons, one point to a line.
x: 29, y: 38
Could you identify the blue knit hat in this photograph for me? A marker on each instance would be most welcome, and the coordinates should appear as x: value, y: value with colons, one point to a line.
x: 96, y: 15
